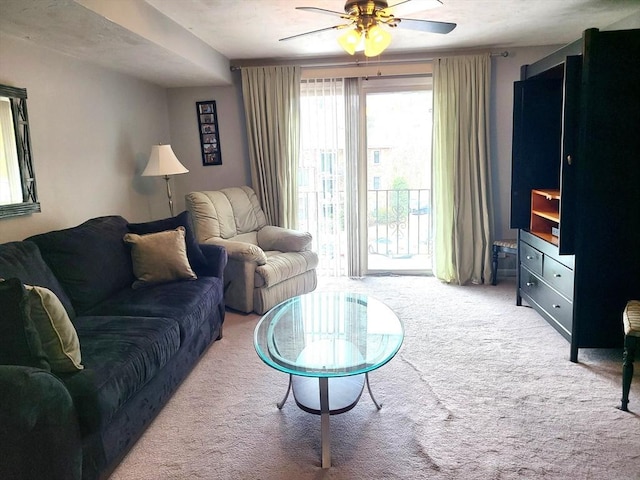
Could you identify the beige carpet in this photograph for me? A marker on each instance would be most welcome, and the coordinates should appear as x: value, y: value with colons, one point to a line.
x: 481, y: 389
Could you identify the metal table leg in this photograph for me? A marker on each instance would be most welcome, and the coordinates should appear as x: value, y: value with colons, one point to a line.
x: 324, y: 422
x: 286, y: 395
x: 378, y: 405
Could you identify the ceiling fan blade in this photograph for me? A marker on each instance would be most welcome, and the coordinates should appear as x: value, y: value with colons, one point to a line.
x: 335, y: 27
x: 425, y: 25
x: 409, y: 7
x: 323, y: 11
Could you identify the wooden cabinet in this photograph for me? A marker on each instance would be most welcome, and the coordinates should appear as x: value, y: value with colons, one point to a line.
x: 575, y: 193
x: 545, y: 214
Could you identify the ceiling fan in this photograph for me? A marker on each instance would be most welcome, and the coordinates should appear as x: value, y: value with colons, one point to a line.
x: 367, y: 21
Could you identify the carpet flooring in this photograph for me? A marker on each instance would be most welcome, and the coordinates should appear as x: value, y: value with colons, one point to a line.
x: 481, y: 389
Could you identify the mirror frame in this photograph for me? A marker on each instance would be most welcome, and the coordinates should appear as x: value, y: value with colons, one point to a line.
x: 29, y: 204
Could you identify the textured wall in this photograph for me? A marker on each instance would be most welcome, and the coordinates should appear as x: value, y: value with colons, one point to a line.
x: 185, y: 139
x: 91, y: 132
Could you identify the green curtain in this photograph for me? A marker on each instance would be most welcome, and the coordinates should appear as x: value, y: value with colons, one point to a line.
x: 461, y: 163
x: 272, y: 111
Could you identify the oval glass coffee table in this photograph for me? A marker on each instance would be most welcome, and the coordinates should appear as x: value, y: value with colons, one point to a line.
x: 328, y: 342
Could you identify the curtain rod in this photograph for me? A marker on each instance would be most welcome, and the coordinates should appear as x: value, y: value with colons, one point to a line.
x: 358, y: 62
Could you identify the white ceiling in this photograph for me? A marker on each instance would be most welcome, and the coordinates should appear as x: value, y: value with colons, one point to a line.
x: 192, y: 42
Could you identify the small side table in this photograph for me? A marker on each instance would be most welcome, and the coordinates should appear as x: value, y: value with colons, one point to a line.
x: 505, y: 246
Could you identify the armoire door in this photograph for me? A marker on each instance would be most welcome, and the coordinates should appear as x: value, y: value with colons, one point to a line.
x: 537, y: 127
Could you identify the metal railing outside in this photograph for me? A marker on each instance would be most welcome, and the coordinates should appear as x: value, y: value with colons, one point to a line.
x: 399, y: 225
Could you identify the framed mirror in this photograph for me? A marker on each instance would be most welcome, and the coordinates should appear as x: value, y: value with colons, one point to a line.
x: 18, y: 194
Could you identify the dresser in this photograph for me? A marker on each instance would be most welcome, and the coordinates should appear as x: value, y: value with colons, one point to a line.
x: 575, y: 190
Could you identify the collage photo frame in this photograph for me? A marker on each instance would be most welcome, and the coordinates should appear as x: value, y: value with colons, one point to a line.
x: 209, y: 133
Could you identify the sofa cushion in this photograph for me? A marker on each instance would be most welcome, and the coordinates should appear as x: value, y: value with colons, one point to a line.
x: 19, y: 339
x: 57, y: 334
x: 194, y: 253
x: 23, y: 260
x: 91, y: 260
x: 120, y: 355
x: 283, y: 266
x: 185, y: 302
x: 159, y: 257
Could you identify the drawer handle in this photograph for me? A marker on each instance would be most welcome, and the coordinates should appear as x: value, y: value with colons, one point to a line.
x: 530, y: 257
x: 555, y: 305
x: 531, y: 284
x: 556, y: 275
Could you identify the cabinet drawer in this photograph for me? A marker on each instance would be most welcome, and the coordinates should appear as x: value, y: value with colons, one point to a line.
x: 531, y: 258
x: 554, y: 305
x: 558, y: 276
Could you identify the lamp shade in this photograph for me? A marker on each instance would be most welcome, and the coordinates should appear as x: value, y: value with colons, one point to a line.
x: 162, y: 162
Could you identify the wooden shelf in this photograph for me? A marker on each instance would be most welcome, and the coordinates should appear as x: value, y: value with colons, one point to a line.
x: 545, y: 214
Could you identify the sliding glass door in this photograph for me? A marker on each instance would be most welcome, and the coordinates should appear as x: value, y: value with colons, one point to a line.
x: 398, y: 139
x: 388, y: 226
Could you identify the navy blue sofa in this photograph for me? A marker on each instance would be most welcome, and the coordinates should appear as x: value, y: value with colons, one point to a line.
x: 137, y: 346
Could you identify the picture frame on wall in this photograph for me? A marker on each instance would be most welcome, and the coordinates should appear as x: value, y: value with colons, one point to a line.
x: 209, y: 133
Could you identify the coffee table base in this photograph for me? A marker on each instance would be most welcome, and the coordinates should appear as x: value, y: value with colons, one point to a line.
x: 317, y: 398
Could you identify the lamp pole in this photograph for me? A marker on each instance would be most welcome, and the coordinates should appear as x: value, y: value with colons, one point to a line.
x: 166, y: 177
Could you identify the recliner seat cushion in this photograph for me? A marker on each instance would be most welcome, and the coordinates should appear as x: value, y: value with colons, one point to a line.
x: 282, y: 266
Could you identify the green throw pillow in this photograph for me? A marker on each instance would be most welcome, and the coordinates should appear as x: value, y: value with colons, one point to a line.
x: 159, y: 257
x: 57, y: 334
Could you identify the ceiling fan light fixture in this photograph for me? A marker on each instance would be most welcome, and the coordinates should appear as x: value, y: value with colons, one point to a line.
x: 377, y: 39
x: 350, y: 40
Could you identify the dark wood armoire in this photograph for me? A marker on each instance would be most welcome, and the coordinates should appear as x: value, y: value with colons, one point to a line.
x: 575, y: 194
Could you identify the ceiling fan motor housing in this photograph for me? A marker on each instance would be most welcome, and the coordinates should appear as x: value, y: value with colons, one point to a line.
x: 364, y: 7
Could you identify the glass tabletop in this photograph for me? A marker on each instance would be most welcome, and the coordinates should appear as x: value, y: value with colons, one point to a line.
x: 328, y: 334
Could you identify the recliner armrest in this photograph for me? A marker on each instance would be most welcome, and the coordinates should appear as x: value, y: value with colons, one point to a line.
x: 243, y: 251
x: 283, y: 239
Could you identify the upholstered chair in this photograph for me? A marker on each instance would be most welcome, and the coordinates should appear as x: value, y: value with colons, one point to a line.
x: 267, y: 264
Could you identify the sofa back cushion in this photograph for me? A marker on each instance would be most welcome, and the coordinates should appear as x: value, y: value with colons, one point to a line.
x: 23, y: 260
x: 20, y: 342
x: 91, y: 261
x: 225, y: 213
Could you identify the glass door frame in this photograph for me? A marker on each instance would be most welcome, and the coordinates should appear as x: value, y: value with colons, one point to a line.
x: 385, y: 85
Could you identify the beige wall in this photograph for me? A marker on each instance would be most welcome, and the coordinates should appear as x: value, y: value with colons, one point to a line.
x: 91, y: 131
x: 185, y: 139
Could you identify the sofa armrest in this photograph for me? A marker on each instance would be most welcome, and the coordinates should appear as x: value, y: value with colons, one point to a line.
x: 40, y: 435
x: 216, y: 257
x: 241, y: 251
x: 283, y: 239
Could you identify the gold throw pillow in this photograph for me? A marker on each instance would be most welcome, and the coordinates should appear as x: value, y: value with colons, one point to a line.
x: 159, y: 257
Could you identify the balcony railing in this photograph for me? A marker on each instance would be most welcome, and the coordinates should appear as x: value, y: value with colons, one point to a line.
x: 399, y: 226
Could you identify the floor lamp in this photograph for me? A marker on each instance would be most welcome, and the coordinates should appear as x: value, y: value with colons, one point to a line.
x: 163, y: 163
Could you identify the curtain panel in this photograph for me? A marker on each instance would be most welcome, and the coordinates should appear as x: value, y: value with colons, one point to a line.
x: 272, y: 111
x: 461, y: 163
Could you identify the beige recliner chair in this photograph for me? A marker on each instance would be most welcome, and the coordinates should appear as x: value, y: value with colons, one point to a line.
x: 267, y: 264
